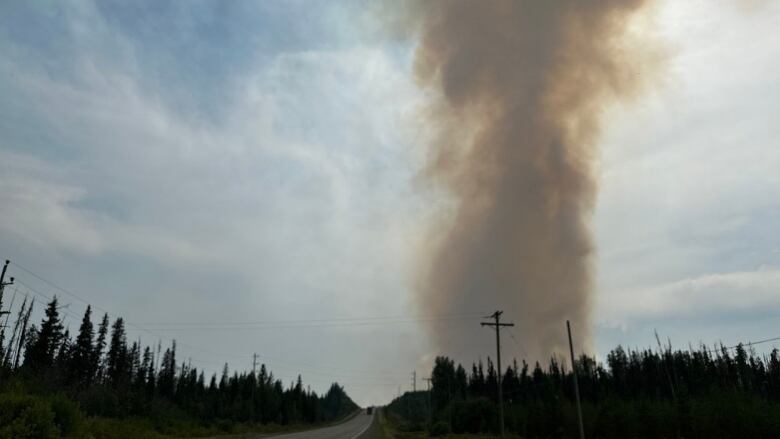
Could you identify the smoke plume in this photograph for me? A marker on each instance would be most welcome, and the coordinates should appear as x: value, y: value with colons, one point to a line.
x: 518, y: 89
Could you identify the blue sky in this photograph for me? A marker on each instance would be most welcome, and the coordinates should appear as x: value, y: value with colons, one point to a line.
x: 242, y: 161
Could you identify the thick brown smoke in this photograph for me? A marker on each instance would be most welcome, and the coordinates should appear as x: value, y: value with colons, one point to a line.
x: 519, y: 88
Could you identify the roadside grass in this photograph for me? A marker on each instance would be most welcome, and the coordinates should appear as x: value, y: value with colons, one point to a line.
x: 391, y: 429
x: 105, y: 428
x: 142, y: 428
x: 27, y: 416
x: 240, y: 431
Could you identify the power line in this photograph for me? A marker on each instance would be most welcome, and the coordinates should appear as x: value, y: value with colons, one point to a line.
x: 749, y: 343
x: 360, y: 320
x: 52, y: 284
x: 128, y: 323
x: 391, y: 319
x: 521, y: 351
x: 62, y: 309
x: 277, y: 364
x: 315, y: 369
x: 303, y: 324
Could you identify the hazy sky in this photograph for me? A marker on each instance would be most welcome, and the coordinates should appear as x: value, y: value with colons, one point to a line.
x: 207, y: 163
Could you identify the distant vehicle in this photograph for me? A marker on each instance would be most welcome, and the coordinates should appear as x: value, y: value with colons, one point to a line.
x: 369, y: 410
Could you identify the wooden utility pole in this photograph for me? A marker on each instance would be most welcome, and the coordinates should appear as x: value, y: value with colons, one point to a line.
x: 576, y: 384
x: 414, y: 381
x: 254, y: 364
x: 2, y: 325
x: 3, y: 285
x: 8, y: 314
x: 497, y: 325
x: 2, y: 275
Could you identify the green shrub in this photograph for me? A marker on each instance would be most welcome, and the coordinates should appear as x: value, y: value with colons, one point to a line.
x: 99, y: 401
x: 23, y: 416
x: 67, y: 416
x: 440, y: 428
x: 474, y: 416
x: 104, y: 428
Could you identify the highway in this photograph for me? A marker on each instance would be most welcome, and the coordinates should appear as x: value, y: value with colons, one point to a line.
x: 361, y: 426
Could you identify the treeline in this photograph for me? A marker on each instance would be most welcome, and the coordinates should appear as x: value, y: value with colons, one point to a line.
x: 638, y: 393
x: 110, y: 377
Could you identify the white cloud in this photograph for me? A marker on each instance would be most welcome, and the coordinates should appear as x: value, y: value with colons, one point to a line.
x: 689, y: 180
x: 39, y: 210
x: 707, y: 295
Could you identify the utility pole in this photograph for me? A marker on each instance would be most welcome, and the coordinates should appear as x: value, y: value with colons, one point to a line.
x: 2, y: 313
x: 5, y: 267
x: 497, y: 325
x: 7, y: 316
x: 254, y: 364
x: 576, y: 384
x: 3, y: 285
x: 414, y: 381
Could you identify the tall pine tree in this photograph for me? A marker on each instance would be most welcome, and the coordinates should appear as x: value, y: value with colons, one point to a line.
x: 117, y: 359
x: 82, y: 368
x: 98, y: 365
x: 46, y: 342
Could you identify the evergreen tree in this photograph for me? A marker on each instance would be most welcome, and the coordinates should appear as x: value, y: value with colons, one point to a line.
x: 151, y: 379
x: 82, y: 369
x: 166, y: 381
x: 133, y: 361
x: 62, y: 358
x: 461, y: 380
x: 98, y: 365
x: 223, y: 382
x: 46, y: 342
x: 443, y: 380
x: 117, y: 359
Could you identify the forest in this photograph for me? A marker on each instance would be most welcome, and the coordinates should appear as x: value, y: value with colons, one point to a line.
x: 694, y: 393
x: 50, y: 383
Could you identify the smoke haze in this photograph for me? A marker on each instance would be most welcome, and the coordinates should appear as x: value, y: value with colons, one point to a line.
x: 518, y: 89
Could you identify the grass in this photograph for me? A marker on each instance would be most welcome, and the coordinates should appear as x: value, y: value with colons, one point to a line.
x: 243, y: 430
x: 390, y: 430
x: 106, y: 428
x: 32, y: 416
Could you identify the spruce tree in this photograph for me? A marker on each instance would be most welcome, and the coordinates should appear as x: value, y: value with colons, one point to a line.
x: 223, y: 382
x: 97, y: 353
x: 62, y: 358
x: 82, y: 369
x: 134, y: 360
x: 167, y: 375
x: 40, y: 353
x: 151, y: 378
x: 117, y: 359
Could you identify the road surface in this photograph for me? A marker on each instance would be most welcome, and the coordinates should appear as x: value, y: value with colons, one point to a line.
x: 360, y: 426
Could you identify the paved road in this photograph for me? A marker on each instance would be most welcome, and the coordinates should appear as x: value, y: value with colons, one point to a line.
x: 358, y: 427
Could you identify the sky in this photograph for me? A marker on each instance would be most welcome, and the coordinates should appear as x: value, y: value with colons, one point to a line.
x: 197, y: 166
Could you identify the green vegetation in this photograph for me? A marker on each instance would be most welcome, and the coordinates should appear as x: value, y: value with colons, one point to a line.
x: 99, y: 386
x: 693, y: 394
x: 394, y: 427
